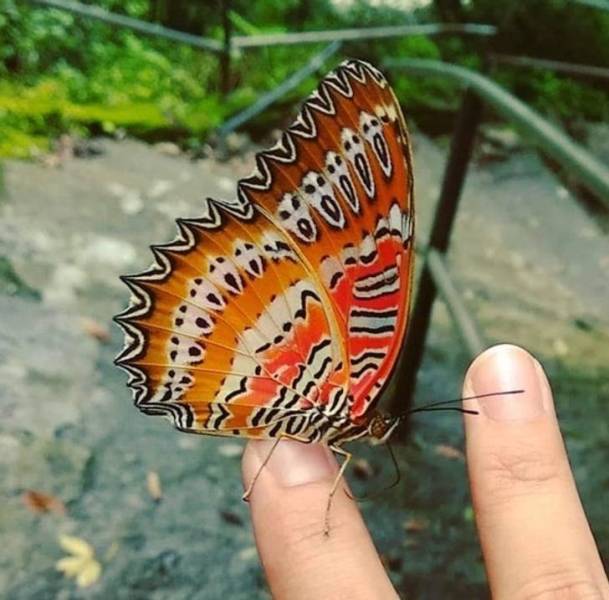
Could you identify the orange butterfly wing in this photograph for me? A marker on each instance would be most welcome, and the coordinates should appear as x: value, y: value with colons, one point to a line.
x: 284, y: 310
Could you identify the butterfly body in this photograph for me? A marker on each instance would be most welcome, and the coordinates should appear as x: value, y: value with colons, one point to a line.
x: 282, y: 312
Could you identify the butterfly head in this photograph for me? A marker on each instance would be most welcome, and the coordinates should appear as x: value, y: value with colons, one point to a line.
x: 381, y: 427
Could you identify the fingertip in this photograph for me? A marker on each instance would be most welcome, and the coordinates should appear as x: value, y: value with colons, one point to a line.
x: 508, y: 384
x: 493, y: 354
x: 520, y: 477
x: 288, y: 503
x: 290, y: 463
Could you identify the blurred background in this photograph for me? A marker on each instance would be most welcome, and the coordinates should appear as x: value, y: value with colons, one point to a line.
x: 117, y: 117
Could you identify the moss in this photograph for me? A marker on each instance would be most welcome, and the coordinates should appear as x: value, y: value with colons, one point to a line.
x: 11, y: 284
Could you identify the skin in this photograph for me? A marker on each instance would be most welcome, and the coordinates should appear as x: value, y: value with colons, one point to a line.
x: 534, y: 535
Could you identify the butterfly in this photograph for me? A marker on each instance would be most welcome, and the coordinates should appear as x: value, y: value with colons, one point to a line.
x: 280, y: 313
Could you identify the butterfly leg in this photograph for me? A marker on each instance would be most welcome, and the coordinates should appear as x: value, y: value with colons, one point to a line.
x: 347, y: 456
x: 282, y: 436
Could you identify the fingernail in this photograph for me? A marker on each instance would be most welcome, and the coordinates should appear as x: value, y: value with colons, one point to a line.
x: 295, y: 463
x: 507, y: 368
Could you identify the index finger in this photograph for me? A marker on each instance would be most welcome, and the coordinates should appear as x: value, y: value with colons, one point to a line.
x: 288, y: 504
x: 535, y: 537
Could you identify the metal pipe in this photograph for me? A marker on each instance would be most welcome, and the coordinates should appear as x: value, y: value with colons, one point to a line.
x: 226, y: 52
x: 466, y: 326
x: 283, y: 88
x: 367, y: 33
x: 462, y: 144
x: 94, y: 12
x: 576, y: 70
x: 575, y: 159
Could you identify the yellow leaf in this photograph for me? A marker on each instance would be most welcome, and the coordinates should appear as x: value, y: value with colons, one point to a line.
x: 449, y: 452
x: 89, y: 574
x: 76, y: 546
x: 70, y: 565
x: 153, y: 482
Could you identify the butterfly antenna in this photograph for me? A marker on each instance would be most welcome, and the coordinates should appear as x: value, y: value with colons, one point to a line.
x: 445, y: 404
x: 374, y: 494
x: 396, y: 466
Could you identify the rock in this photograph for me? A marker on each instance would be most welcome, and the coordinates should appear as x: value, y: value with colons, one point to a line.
x: 236, y: 142
x: 501, y: 138
x: 132, y: 204
x: 230, y: 450
x: 159, y: 188
x: 486, y: 153
x: 87, y: 148
x: 227, y: 184
x: 109, y: 251
x: 130, y: 199
x: 168, y: 148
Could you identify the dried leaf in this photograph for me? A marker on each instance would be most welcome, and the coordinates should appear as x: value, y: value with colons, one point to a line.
x: 70, y: 566
x: 81, y: 564
x: 449, y: 452
x: 40, y: 502
x: 560, y: 347
x: 362, y: 469
x: 89, y: 574
x: 153, y: 482
x: 231, y: 518
x: 392, y: 562
x: 416, y: 524
x: 76, y: 546
x: 95, y: 329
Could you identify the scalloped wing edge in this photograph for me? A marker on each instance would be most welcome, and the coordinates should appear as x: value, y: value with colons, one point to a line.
x: 241, y: 207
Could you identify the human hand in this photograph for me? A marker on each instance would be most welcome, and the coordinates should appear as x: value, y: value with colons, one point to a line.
x: 534, y: 534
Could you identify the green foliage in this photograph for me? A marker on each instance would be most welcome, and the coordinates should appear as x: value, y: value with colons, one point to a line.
x: 559, y: 30
x: 51, y: 86
x: 61, y: 73
x: 564, y: 98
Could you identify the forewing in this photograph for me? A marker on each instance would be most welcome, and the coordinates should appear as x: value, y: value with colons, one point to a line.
x: 290, y: 302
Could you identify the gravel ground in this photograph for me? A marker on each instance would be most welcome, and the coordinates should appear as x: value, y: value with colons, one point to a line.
x: 533, y: 266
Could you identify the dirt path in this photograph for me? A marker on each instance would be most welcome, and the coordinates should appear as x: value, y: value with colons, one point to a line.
x: 532, y: 265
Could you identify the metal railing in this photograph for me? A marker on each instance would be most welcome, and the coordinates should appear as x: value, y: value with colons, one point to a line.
x: 278, y: 92
x: 585, y: 72
x: 590, y: 171
x: 230, y: 44
x: 339, y: 37
x: 435, y: 277
x: 360, y: 34
x: 153, y: 29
